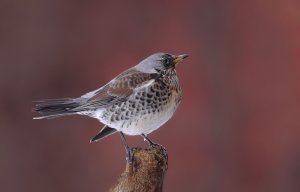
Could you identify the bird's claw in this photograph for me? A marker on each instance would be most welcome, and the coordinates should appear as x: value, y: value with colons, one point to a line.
x: 129, y: 155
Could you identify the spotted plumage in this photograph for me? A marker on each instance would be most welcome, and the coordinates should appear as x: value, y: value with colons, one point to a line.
x: 136, y: 102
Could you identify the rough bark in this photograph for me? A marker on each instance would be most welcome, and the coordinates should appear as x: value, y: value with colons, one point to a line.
x: 146, y: 171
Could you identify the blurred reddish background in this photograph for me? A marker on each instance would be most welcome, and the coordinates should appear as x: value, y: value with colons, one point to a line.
x: 238, y: 126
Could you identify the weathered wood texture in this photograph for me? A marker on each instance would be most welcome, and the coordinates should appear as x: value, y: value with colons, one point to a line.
x: 146, y: 172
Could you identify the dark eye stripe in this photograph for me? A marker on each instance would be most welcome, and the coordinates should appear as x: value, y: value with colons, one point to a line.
x: 167, y: 60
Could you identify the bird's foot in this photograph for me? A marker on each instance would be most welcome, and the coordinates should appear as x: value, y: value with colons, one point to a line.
x: 156, y: 145
x: 129, y: 155
x: 153, y: 144
x: 129, y: 151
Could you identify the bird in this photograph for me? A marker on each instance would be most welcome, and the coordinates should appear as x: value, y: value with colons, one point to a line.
x: 138, y: 101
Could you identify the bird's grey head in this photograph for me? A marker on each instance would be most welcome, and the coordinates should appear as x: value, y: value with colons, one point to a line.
x: 160, y: 62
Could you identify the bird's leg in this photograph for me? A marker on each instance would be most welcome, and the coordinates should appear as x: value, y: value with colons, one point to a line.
x: 128, y: 150
x: 148, y: 140
x: 155, y: 145
x: 152, y: 144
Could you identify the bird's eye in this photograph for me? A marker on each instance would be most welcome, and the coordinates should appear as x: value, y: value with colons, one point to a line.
x: 166, y: 61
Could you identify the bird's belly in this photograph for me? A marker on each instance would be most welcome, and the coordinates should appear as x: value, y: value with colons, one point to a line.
x: 149, y: 122
x: 139, y: 116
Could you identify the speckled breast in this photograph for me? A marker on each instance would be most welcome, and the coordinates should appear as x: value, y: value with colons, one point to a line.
x: 147, y: 109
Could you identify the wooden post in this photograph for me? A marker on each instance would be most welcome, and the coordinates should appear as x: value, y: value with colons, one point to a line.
x: 146, y: 172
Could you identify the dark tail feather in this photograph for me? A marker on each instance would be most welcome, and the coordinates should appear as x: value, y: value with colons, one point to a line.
x: 105, y: 131
x: 53, y: 108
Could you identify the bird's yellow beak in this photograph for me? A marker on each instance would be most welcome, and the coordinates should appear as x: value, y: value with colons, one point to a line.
x: 179, y: 58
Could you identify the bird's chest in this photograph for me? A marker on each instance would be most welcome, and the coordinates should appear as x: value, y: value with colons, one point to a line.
x: 147, y: 109
x: 162, y: 93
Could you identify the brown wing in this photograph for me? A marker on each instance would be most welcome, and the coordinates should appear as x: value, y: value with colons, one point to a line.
x: 118, y: 90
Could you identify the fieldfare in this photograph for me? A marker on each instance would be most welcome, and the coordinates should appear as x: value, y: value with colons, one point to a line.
x: 136, y: 102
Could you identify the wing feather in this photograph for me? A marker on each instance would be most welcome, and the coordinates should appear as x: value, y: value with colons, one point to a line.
x: 118, y: 90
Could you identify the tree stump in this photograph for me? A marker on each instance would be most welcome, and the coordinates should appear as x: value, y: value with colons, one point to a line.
x: 146, y: 171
